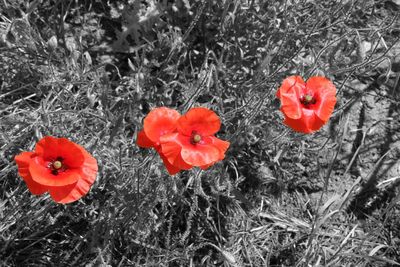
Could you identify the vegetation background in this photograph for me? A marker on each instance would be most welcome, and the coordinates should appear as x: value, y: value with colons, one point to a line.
x: 91, y: 70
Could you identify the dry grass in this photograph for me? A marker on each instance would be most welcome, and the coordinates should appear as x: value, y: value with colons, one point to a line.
x: 91, y: 70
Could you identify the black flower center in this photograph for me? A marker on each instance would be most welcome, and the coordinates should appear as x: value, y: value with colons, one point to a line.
x: 56, y: 166
x: 308, y: 99
x: 195, y: 138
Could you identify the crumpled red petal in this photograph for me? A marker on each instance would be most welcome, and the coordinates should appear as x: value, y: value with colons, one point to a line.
x: 23, y: 160
x: 160, y: 121
x: 308, y: 123
x: 73, y: 192
x: 291, y: 106
x: 143, y: 141
x: 221, y: 145
x: 201, y: 120
x: 172, y: 170
x: 50, y: 148
x: 289, y: 94
x: 41, y: 174
x: 326, y: 91
x: 205, y: 167
x: 171, y: 147
x: 200, y: 154
x: 291, y: 84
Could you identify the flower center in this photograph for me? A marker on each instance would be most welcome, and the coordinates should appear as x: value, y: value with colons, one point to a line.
x: 195, y: 138
x: 308, y: 99
x: 57, y: 166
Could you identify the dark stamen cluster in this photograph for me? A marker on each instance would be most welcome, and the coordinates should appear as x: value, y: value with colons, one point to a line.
x: 308, y: 100
x: 195, y: 138
x: 56, y: 166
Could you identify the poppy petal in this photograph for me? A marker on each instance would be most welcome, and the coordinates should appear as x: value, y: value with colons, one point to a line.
x: 171, y: 147
x: 290, y: 84
x: 221, y: 145
x: 160, y: 121
x: 35, y: 188
x: 289, y: 94
x: 45, y: 146
x: 291, y: 106
x: 23, y: 161
x: 308, y: 123
x: 199, y: 155
x: 326, y: 92
x: 201, y: 120
x: 326, y: 109
x: 205, y: 167
x: 59, y: 193
x: 143, y: 141
x: 89, y: 168
x: 172, y: 170
x: 69, y: 193
x: 311, y: 120
x: 73, y: 192
x: 41, y: 174
x: 50, y: 148
x: 39, y: 148
x: 297, y: 125
x: 71, y: 153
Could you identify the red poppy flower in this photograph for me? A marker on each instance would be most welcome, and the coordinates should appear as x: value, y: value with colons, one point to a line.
x: 158, y: 122
x: 307, y: 106
x: 194, y: 142
x: 58, y: 166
